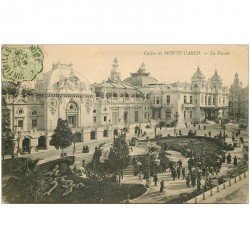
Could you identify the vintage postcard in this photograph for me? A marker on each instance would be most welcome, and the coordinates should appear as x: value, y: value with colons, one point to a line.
x: 125, y: 124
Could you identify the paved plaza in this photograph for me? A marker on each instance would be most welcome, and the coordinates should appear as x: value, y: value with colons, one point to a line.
x: 173, y: 188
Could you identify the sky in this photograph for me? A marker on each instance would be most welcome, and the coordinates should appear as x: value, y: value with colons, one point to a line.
x: 166, y: 63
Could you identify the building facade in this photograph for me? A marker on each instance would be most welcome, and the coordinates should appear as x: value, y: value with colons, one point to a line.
x: 99, y: 110
x: 238, y: 101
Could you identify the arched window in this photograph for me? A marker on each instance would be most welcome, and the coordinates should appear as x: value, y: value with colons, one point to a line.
x: 168, y: 99
x: 72, y: 106
x: 92, y: 135
x: 72, y: 114
x: 158, y: 100
x: 105, y: 133
x: 209, y: 100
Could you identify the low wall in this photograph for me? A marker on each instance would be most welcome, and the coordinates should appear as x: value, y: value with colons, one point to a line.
x: 220, y: 188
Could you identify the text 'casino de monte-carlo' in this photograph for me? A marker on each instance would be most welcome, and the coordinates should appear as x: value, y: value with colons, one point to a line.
x: 100, y: 110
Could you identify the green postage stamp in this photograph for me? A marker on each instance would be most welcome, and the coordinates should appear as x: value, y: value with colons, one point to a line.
x: 21, y: 63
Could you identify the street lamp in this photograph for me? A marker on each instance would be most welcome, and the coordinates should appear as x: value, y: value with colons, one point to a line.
x: 74, y: 143
x: 18, y: 142
x: 224, y: 133
x: 176, y: 116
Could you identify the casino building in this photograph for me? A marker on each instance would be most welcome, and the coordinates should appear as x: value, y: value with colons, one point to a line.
x: 238, y: 101
x: 99, y: 110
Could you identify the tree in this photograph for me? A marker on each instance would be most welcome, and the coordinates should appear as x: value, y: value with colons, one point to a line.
x: 119, y: 157
x: 62, y: 136
x: 7, y: 135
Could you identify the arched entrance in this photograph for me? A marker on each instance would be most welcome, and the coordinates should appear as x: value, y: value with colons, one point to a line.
x: 115, y: 132
x: 72, y: 114
x: 92, y: 135
x: 26, y: 145
x: 42, y: 142
x: 105, y: 133
x: 78, y: 137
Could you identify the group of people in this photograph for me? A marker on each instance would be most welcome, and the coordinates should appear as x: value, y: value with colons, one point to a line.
x: 162, y: 183
x: 177, y: 170
x: 193, y: 123
x: 229, y: 160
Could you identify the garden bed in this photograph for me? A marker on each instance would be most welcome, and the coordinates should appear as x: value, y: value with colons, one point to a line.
x: 210, y: 146
x: 19, y: 187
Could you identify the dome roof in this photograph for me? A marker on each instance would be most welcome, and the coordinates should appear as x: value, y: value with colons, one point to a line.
x: 216, y: 79
x: 114, y: 82
x: 63, y: 79
x: 198, y: 76
x: 157, y: 90
x: 140, y: 78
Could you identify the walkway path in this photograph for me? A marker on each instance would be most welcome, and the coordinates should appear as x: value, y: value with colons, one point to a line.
x: 221, y: 197
x: 173, y: 188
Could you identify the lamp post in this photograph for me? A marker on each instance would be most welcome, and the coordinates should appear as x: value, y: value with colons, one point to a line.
x: 74, y: 144
x: 224, y: 131
x: 176, y: 116
x: 18, y: 142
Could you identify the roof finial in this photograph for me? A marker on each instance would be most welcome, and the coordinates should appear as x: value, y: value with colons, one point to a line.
x: 198, y: 67
x: 115, y: 74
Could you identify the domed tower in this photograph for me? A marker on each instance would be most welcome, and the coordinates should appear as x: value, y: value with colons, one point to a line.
x: 216, y: 79
x: 115, y: 75
x: 198, y: 77
x: 65, y: 94
x: 141, y: 78
x: 237, y: 82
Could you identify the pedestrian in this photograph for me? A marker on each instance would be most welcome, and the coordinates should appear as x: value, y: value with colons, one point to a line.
x: 207, y: 185
x: 223, y: 158
x: 188, y: 180
x: 209, y: 133
x: 198, y: 184
x: 229, y: 158
x: 193, y: 180
x: 178, y: 172
x: 235, y: 161
x: 199, y: 126
x: 180, y: 163
x: 183, y: 173
x: 220, y: 135
x: 162, y: 186
x: 209, y: 182
x: 174, y: 174
x: 155, y: 179
x: 220, y: 180
x: 140, y: 176
x: 204, y: 127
